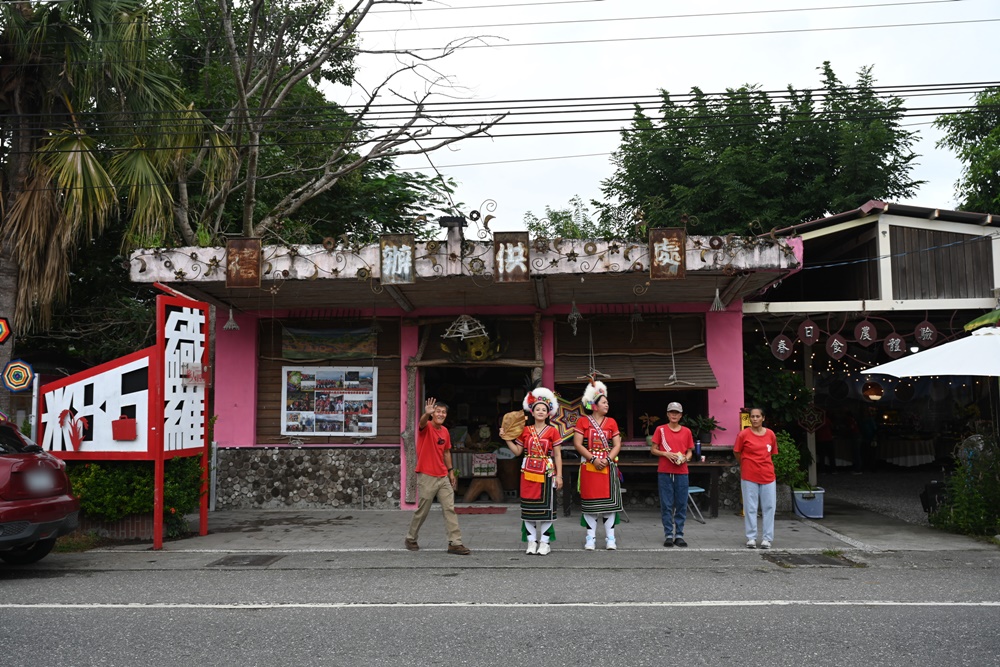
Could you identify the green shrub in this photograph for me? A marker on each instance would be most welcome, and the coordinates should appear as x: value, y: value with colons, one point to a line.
x: 972, y: 492
x: 787, y: 462
x: 111, y: 490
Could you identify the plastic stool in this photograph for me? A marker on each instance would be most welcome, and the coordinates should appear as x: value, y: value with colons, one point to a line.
x: 697, y: 516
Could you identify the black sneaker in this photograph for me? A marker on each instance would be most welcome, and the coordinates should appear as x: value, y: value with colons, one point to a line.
x: 669, y: 542
x: 679, y: 542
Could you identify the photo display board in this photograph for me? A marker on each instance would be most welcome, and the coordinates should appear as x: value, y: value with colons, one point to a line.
x: 329, y: 400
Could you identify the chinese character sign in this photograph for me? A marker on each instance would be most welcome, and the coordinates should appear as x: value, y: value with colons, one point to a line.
x: 865, y: 333
x: 925, y: 334
x: 510, y: 257
x: 894, y: 345
x: 396, y: 255
x: 243, y: 263
x: 781, y: 347
x: 836, y: 346
x: 809, y: 332
x: 667, y: 248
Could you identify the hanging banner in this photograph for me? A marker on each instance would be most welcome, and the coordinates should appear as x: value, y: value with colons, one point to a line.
x: 511, y: 257
x: 809, y: 332
x: 836, y: 346
x: 894, y: 345
x: 243, y: 263
x: 926, y: 334
x: 396, y: 257
x: 865, y: 333
x: 316, y: 344
x: 782, y: 347
x: 666, y: 253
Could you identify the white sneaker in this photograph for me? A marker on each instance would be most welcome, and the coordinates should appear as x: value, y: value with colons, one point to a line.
x: 751, y: 544
x: 611, y: 545
x: 544, y: 549
x: 765, y: 544
x: 532, y: 548
x: 590, y: 544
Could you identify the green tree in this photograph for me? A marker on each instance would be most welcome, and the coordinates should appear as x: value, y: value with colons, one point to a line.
x: 574, y: 222
x: 975, y: 137
x: 746, y: 157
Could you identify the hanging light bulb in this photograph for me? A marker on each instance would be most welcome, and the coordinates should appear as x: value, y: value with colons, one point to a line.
x: 231, y: 325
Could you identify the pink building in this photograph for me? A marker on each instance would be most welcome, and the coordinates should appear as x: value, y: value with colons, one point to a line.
x: 320, y: 372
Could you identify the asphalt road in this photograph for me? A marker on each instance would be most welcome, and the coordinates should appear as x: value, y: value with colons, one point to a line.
x: 501, y: 608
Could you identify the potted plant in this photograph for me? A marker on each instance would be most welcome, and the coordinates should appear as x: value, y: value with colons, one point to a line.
x: 806, y: 500
x: 702, y: 427
x: 647, y: 421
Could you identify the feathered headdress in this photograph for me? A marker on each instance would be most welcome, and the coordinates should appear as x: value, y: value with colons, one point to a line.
x: 541, y: 394
x: 594, y: 391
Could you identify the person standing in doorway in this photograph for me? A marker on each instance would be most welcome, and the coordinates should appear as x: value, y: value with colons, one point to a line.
x: 755, y: 445
x: 541, y: 470
x: 673, y: 444
x: 597, y: 441
x: 435, y: 478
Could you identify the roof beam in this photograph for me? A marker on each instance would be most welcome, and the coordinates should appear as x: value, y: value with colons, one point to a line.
x: 399, y: 298
x: 541, y: 292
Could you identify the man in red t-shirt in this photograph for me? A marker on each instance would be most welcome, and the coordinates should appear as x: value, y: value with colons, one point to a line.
x: 673, y: 444
x: 435, y: 477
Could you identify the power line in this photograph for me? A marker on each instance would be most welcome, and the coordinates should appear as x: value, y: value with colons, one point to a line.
x: 748, y: 33
x: 657, y: 18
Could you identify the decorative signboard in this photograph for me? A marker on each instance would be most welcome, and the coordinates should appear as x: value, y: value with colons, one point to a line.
x: 781, y: 347
x: 836, y: 346
x: 511, y: 257
x: 243, y: 263
x: 666, y: 253
x: 865, y: 333
x: 396, y: 257
x: 808, y: 332
x: 894, y: 345
x: 329, y: 401
x: 925, y: 333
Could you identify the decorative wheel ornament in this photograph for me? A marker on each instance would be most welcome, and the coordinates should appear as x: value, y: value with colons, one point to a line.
x: 811, y: 418
x: 17, y: 376
x: 5, y: 330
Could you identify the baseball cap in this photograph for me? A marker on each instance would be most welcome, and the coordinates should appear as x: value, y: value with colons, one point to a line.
x: 674, y: 407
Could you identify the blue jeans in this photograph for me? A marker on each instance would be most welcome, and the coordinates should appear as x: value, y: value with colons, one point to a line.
x: 765, y: 496
x: 673, y: 502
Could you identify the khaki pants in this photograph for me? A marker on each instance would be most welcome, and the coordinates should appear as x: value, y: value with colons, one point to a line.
x: 428, y: 488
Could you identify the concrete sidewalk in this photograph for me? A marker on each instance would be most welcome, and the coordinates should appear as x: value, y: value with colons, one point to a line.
x: 844, y: 527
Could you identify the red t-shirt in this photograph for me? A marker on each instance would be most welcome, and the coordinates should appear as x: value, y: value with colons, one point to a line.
x: 756, y: 452
x: 432, y: 442
x: 591, y: 439
x: 667, y: 440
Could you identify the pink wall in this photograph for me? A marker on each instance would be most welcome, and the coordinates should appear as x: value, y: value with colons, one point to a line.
x: 548, y: 352
x: 724, y: 347
x: 236, y: 382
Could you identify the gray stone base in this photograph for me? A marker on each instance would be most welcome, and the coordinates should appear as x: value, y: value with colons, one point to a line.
x: 307, y: 478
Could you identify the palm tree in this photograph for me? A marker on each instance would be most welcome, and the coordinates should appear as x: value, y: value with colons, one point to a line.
x: 91, y: 126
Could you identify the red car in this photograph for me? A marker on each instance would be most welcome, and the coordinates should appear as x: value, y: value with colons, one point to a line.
x: 35, y: 502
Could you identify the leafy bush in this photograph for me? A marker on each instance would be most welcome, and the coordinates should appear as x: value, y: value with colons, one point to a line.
x: 768, y: 385
x: 972, y: 498
x: 111, y: 490
x: 787, y: 462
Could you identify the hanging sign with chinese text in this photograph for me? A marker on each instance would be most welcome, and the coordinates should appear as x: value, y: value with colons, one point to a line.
x: 243, y: 263
x: 666, y: 253
x: 781, y: 347
x: 511, y: 257
x: 926, y: 334
x: 808, y: 332
x: 894, y: 345
x: 836, y: 346
x: 396, y: 257
x: 865, y: 333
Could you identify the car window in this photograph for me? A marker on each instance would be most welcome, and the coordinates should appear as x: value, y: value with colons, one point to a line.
x: 10, y: 440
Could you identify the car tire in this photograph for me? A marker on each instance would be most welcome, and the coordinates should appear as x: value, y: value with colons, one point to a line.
x: 28, y: 554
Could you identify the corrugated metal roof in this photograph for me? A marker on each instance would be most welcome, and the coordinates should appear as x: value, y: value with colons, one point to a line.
x: 651, y: 372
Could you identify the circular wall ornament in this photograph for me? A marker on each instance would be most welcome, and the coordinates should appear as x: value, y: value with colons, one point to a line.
x: 782, y: 347
x: 5, y: 330
x: 894, y: 345
x: 865, y: 333
x: 17, y: 376
x: 836, y: 346
x: 925, y: 333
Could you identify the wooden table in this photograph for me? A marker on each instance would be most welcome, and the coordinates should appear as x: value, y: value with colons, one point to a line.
x: 713, y: 469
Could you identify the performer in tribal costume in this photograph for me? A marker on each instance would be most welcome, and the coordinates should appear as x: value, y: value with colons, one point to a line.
x: 541, y: 469
x: 597, y: 441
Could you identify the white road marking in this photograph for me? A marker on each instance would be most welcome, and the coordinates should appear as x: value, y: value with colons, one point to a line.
x: 500, y: 605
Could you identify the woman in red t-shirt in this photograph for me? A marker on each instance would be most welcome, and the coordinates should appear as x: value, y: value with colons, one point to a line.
x: 755, y: 445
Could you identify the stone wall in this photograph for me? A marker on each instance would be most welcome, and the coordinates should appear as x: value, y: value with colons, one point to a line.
x: 307, y: 478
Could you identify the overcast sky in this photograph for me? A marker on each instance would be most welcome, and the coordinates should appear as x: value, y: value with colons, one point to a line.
x: 663, y: 49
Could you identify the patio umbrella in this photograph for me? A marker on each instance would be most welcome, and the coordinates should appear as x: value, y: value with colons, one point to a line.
x: 978, y: 354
